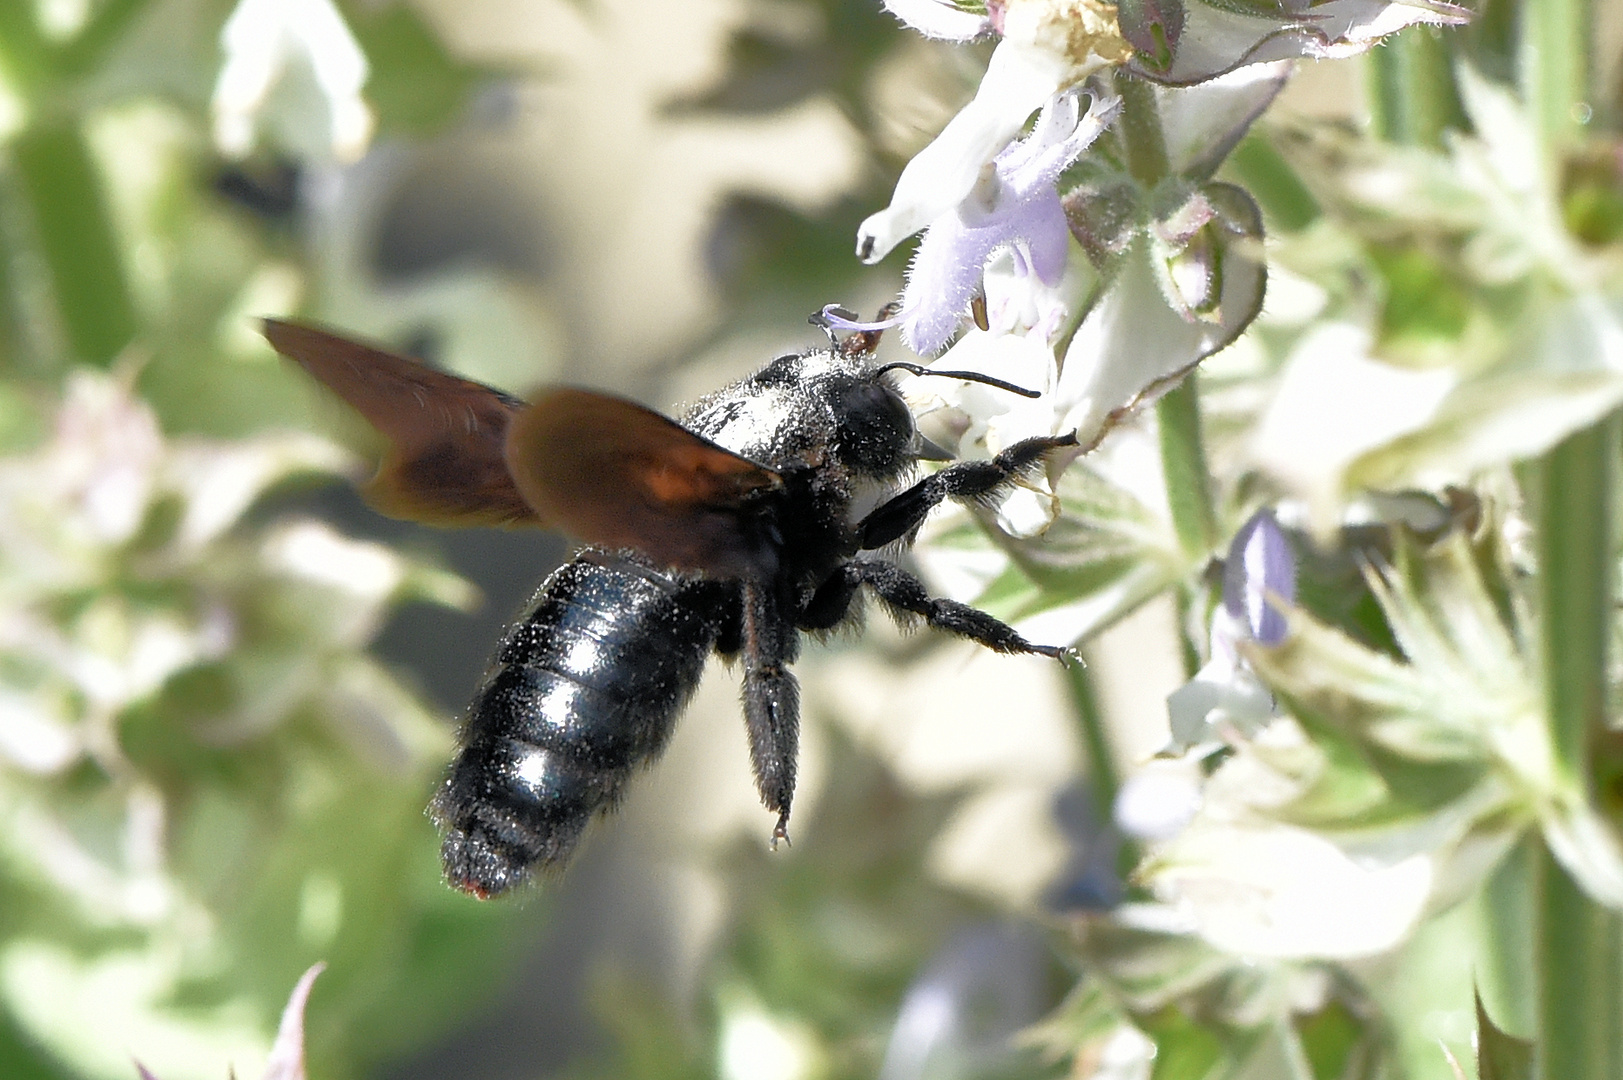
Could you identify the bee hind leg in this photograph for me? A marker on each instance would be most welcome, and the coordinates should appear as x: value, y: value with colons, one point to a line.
x: 771, y: 699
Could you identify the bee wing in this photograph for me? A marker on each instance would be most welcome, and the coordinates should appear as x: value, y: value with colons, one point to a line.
x: 445, y: 464
x: 616, y: 474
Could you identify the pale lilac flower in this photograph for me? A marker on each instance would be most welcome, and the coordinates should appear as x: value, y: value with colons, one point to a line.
x: 1014, y: 206
x: 1048, y: 46
x: 1258, y: 576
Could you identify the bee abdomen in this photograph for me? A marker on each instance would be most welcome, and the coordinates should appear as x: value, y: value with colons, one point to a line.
x: 586, y: 688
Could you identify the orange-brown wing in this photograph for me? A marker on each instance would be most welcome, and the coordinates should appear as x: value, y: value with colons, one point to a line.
x: 445, y: 464
x: 613, y: 473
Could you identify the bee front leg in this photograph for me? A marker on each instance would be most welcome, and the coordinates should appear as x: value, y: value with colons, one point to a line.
x: 905, y: 595
x: 978, y: 481
x: 771, y: 698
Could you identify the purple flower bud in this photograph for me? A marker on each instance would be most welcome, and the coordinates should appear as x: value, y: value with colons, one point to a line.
x: 1259, y: 572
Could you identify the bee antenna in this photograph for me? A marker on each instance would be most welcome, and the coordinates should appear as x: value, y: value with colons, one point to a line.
x: 966, y: 376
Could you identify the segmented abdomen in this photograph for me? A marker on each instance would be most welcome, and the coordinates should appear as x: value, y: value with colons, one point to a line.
x: 584, y: 688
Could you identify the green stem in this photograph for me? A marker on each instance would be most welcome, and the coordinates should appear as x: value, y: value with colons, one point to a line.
x: 1286, y: 202
x: 1576, y: 484
x: 1578, y: 941
x: 1104, y: 779
x: 1183, y: 462
x: 1413, y: 98
x: 1556, y: 61
x: 70, y: 221
x: 1580, y: 944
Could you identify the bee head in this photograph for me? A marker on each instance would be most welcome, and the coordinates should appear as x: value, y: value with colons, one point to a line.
x: 876, y: 434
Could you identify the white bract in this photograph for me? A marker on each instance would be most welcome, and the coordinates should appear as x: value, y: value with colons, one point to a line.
x: 265, y: 41
x: 1217, y: 38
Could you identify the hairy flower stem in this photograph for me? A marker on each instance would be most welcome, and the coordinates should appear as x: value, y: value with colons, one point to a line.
x: 1140, y: 125
x: 1580, y: 973
x: 1183, y: 454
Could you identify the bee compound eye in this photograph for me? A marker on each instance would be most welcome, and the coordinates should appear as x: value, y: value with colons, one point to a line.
x: 876, y: 427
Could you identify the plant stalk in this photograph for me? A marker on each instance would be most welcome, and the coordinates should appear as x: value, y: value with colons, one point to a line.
x: 1183, y: 462
x: 1555, y: 61
x: 1578, y: 940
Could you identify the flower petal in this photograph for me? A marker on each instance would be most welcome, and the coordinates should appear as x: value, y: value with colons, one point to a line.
x: 259, y: 40
x: 1220, y: 696
x: 1020, y: 208
x: 1018, y: 81
x: 1281, y: 891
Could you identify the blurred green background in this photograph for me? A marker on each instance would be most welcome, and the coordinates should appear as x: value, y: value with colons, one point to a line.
x: 225, y: 704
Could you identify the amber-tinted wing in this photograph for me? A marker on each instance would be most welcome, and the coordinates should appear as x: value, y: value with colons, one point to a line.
x: 613, y: 473
x: 446, y: 463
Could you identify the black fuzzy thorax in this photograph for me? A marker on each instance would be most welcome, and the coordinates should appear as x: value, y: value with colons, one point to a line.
x: 833, y: 430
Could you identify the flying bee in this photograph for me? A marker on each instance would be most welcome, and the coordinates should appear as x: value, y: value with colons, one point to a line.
x: 733, y: 531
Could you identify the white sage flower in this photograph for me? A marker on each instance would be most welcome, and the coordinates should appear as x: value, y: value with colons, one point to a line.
x: 1048, y: 46
x: 261, y: 40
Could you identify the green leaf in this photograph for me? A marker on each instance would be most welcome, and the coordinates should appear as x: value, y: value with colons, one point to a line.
x: 1330, y: 1038
x: 415, y: 85
x: 1184, y: 1050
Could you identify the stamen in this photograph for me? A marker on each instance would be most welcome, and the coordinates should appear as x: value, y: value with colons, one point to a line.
x: 835, y: 317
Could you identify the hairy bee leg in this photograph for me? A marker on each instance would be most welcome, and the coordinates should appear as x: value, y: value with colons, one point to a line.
x: 905, y: 594
x: 980, y: 481
x: 771, y: 699
x: 829, y: 604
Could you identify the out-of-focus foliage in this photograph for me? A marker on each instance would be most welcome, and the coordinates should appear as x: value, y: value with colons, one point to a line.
x: 812, y: 961
x: 207, y: 782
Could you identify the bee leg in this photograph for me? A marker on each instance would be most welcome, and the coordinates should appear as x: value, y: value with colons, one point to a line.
x: 905, y: 595
x: 979, y: 481
x: 771, y: 699
x: 830, y: 603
